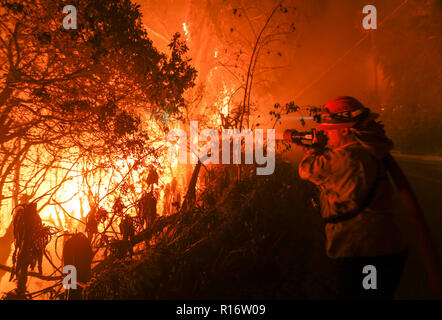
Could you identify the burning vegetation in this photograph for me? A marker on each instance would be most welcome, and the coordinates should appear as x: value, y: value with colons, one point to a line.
x: 85, y: 177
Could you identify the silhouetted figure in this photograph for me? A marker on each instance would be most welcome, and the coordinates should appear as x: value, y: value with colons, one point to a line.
x: 118, y: 207
x: 127, y: 229
x: 91, y: 224
x: 147, y: 209
x: 77, y: 251
x: 27, y: 228
x: 176, y: 204
x: 152, y: 177
x: 166, y: 201
x: 93, y: 219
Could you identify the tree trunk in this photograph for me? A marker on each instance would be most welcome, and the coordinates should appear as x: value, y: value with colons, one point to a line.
x: 190, y: 198
x: 8, y: 238
x: 5, y: 247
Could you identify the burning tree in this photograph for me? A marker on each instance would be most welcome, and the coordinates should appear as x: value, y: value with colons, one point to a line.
x: 72, y: 96
x: 236, y: 46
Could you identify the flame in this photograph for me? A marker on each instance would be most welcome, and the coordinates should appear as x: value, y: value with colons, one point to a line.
x: 69, y: 204
x: 71, y: 201
x: 186, y: 31
x: 223, y: 102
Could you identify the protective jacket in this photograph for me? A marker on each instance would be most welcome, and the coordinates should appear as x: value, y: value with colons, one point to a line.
x: 356, y: 200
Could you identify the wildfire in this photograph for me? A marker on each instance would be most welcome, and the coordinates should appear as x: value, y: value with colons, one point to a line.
x: 71, y: 201
x: 223, y: 101
x: 186, y: 31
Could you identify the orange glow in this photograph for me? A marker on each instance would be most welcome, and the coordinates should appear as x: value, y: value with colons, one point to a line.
x: 186, y: 31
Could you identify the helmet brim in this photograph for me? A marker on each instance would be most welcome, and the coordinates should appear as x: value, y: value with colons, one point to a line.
x: 333, y: 126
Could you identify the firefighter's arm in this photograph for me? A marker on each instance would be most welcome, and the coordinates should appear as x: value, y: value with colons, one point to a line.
x: 315, y: 166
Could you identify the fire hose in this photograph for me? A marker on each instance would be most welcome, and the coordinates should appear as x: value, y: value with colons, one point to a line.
x: 425, y: 243
x: 421, y: 231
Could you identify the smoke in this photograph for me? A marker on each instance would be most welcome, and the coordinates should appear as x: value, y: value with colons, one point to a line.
x: 328, y: 55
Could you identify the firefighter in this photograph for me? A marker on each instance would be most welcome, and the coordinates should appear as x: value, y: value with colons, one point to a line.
x: 356, y: 201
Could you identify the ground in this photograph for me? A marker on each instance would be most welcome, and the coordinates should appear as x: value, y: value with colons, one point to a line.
x: 425, y: 177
